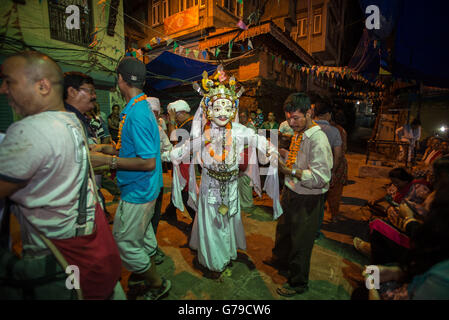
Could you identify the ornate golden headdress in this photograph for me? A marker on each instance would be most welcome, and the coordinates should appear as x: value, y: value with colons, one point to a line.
x: 218, y: 86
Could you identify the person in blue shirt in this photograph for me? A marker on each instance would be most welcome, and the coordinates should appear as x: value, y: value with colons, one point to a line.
x: 137, y: 159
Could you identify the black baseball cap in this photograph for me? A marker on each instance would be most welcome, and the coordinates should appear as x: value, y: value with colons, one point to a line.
x: 133, y: 71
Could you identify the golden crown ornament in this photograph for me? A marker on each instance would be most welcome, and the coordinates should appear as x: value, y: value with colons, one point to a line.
x: 218, y: 86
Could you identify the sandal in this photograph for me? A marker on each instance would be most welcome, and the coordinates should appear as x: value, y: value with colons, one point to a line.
x: 286, y: 291
x: 157, y: 293
x: 362, y: 246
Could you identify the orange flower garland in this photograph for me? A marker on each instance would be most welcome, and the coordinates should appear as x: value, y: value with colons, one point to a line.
x: 182, y: 124
x: 122, y: 123
x: 228, y: 142
x: 294, y: 147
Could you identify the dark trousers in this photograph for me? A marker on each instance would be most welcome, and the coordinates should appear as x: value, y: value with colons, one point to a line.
x: 171, y: 209
x: 295, y: 234
x: 384, y: 250
x: 157, y: 211
x: 319, y: 233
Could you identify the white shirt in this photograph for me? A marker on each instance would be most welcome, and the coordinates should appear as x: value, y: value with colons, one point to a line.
x: 162, y: 124
x: 166, y: 145
x: 315, y: 159
x: 46, y: 151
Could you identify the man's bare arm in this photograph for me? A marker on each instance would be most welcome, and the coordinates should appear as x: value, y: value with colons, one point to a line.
x: 135, y: 164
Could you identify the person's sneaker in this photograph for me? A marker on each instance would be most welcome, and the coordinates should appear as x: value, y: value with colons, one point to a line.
x: 157, y: 293
x: 362, y: 246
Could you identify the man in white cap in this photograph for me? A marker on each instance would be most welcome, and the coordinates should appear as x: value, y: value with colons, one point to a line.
x: 180, y: 118
x: 166, y: 147
x: 156, y: 107
x: 179, y: 130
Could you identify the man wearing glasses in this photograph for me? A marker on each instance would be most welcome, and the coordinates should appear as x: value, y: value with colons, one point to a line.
x: 79, y: 98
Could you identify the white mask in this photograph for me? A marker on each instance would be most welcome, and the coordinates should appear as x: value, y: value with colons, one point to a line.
x: 222, y: 112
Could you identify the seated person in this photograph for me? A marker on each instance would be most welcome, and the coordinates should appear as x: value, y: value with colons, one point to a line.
x: 423, y: 274
x: 388, y: 236
x: 403, y: 185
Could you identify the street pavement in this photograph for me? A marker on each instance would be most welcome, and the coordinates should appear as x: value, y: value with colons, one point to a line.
x: 335, y: 265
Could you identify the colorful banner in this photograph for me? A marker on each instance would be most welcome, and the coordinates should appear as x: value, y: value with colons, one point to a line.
x: 182, y: 20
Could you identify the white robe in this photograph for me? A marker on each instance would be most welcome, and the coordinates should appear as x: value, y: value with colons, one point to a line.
x: 217, y: 237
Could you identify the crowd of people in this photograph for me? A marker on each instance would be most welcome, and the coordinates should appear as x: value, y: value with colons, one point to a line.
x: 408, y: 234
x: 55, y: 161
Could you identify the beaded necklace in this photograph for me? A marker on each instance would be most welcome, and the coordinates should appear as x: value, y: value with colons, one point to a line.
x: 122, y: 123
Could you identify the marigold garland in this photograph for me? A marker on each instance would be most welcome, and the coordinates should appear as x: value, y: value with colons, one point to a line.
x: 294, y: 148
x: 227, y: 146
x: 122, y: 123
x: 182, y: 124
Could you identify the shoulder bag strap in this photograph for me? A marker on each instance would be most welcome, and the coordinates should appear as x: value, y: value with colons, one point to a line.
x: 82, y: 203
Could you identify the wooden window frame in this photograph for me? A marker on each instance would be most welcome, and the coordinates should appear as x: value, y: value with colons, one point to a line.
x: 57, y: 19
x: 315, y: 17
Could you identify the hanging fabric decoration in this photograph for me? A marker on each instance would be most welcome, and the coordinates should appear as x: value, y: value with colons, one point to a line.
x: 187, y: 52
x: 175, y: 45
x: 158, y: 40
x: 149, y: 47
x: 181, y: 48
x: 169, y: 41
x: 242, y: 25
x: 196, y: 53
x: 250, y: 45
x: 217, y: 52
x: 204, y: 54
x: 230, y: 49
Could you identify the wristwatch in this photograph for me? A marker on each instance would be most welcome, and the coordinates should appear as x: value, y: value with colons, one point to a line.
x: 114, y: 162
x: 294, y: 172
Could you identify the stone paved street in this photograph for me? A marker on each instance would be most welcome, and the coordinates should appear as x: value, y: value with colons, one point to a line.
x: 335, y: 265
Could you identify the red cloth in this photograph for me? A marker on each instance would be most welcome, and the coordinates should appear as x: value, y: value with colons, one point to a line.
x: 401, y: 194
x: 435, y: 156
x: 97, y: 257
x: 244, y: 155
x: 390, y: 232
x: 184, y: 168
